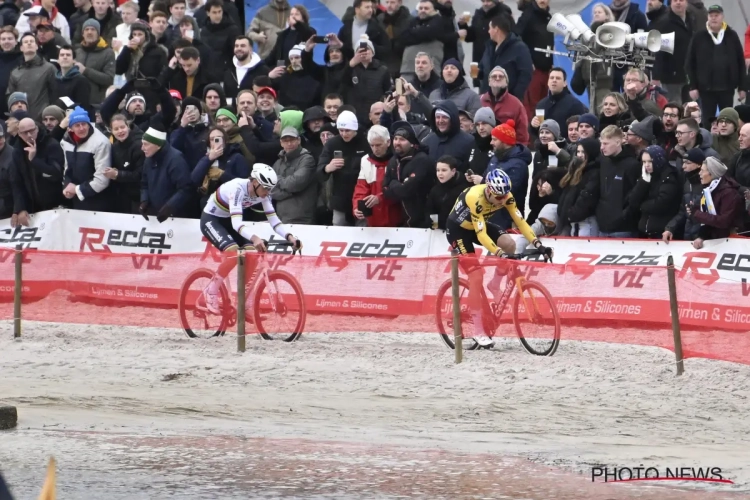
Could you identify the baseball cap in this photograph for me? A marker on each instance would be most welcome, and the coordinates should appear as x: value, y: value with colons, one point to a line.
x: 36, y: 10
x: 716, y: 8
x: 289, y: 132
x: 175, y: 94
x: 44, y: 23
x: 267, y: 89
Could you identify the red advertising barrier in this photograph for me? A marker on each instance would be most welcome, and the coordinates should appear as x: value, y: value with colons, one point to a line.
x: 623, y: 304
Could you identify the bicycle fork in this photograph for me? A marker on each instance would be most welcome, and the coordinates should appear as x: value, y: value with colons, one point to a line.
x: 531, y: 314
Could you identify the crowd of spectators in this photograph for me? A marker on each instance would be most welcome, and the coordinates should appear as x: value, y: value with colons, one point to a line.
x: 110, y: 113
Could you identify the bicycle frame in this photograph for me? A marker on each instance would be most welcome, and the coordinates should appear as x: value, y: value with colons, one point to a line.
x: 253, y: 280
x: 515, y: 282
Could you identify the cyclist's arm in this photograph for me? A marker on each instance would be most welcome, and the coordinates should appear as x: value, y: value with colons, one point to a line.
x: 521, y: 224
x: 235, y: 211
x: 273, y: 219
x: 480, y: 226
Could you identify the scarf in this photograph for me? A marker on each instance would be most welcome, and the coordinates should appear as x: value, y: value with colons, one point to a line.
x: 707, y: 202
x: 623, y: 8
x: 717, y: 37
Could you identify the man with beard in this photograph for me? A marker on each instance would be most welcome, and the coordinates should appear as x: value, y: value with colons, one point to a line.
x: 135, y: 106
x: 95, y: 60
x: 409, y: 176
x: 532, y: 28
x: 505, y: 105
x: 395, y: 19
x: 246, y: 65
x: 514, y: 159
x: 671, y: 115
x: 10, y: 58
x: 70, y: 81
x: 187, y: 74
x: 107, y: 19
x: 507, y: 50
x: 35, y: 77
x: 448, y: 138
x: 484, y: 121
x: 301, y: 73
x: 478, y: 32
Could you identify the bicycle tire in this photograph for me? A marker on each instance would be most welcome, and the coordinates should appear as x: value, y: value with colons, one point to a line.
x: 534, y: 285
x: 447, y: 337
x: 258, y: 317
x: 184, y: 309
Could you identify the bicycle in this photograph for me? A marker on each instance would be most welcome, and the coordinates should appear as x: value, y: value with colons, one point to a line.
x: 268, y: 292
x: 492, y: 313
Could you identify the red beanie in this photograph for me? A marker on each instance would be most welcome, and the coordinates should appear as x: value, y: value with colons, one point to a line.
x: 505, y: 133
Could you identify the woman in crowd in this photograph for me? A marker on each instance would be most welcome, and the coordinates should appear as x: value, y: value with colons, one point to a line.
x: 580, y: 192
x: 223, y: 162
x: 721, y: 205
x: 549, y: 168
x: 657, y: 193
x: 299, y: 31
x: 127, y: 164
x: 614, y: 111
x: 443, y: 194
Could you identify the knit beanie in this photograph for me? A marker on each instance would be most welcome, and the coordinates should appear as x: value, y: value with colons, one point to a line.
x: 592, y: 147
x: 589, y: 119
x: 404, y: 129
x: 296, y: 51
x: 55, y: 112
x: 644, y: 129
x: 743, y: 111
x: 347, y: 121
x: 134, y: 97
x: 17, y: 97
x: 155, y: 137
x: 485, y: 115
x: 731, y: 115
x: 715, y: 167
x: 501, y: 70
x: 658, y: 156
x: 79, y: 115
x: 92, y: 23
x: 505, y: 133
x: 291, y: 118
x: 552, y: 126
x: 696, y: 155
x: 226, y: 113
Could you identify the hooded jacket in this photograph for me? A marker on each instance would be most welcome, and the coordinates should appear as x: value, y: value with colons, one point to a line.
x: 514, y: 162
x: 388, y: 212
x: 240, y: 77
x: 76, y: 86
x: 37, y: 78
x: 86, y: 158
x: 729, y: 206
x: 454, y: 142
x: 703, y: 141
x: 220, y: 39
x: 408, y: 180
x: 532, y: 28
x: 166, y: 182
x: 513, y: 56
x: 443, y: 197
x: 508, y: 107
x: 99, y: 61
x: 296, y: 193
x: 658, y: 200
x: 127, y: 158
x: 163, y: 118
x: 311, y: 140
x: 726, y: 145
x: 147, y: 62
x: 344, y: 179
x: 37, y: 184
x: 208, y: 175
x: 268, y: 21
x: 617, y: 178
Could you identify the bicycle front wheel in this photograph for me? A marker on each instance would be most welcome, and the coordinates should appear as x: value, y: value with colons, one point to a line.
x: 279, y: 307
x: 536, y: 318
x: 444, y: 314
x: 195, y: 318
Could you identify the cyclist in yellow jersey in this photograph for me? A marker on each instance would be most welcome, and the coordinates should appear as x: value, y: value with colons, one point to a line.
x: 467, y: 225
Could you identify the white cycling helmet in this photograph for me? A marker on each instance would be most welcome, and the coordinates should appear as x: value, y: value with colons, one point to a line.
x: 265, y: 175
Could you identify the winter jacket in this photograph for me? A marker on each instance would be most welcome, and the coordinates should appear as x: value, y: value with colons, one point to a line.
x: 395, y: 25
x: 308, y: 78
x: 455, y: 142
x: 729, y: 206
x: 739, y: 170
x: 712, y: 67
x: 443, y: 197
x: 86, y: 158
x: 617, y: 178
x: 365, y: 86
x: 670, y: 68
x: 9, y: 13
x: 6, y: 185
x: 408, y: 181
x: 76, y: 86
x: 428, y: 86
x: 388, y: 212
x: 176, y: 79
x: 108, y: 26
x: 656, y: 16
x: 220, y: 39
x: 681, y: 226
x: 333, y: 75
x: 100, y: 68
x: 37, y: 78
x: 163, y: 118
x: 425, y: 35
x: 464, y: 97
x: 560, y: 107
x: 345, y: 178
x: 285, y: 40
x: 650, y: 102
x: 296, y: 194
x: 147, y: 62
x: 77, y: 18
x: 311, y: 140
x: 620, y: 120
x: 704, y: 141
x: 532, y: 28
x: 658, y: 200
x: 238, y: 78
x: 478, y: 33
x: 578, y: 202
x: 191, y: 141
x: 208, y: 175
x: 726, y: 145
x: 128, y: 159
x: 509, y: 107
x: 173, y: 30
x: 231, y: 14
x: 481, y: 154
x: 166, y: 182
x: 377, y: 35
x: 8, y: 62
x: 38, y: 183
x: 514, y: 56
x: 50, y: 50
x: 541, y: 171
x: 634, y: 17
x: 269, y: 21
x: 584, y: 73
x: 515, y: 162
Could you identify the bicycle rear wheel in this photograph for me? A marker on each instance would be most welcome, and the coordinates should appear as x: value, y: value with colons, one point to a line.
x: 444, y: 314
x: 195, y: 318
x: 279, y: 307
x: 536, y: 318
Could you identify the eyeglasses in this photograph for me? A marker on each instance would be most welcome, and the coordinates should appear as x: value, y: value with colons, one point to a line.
x: 679, y: 133
x: 723, y: 121
x: 497, y: 77
x: 671, y: 115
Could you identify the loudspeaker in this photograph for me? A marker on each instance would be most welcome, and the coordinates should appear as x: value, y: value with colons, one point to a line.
x: 650, y: 40
x: 581, y: 26
x: 558, y: 24
x: 612, y: 35
x: 667, y: 43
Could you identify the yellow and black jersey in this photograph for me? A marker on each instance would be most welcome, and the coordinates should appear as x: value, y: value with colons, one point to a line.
x: 472, y: 209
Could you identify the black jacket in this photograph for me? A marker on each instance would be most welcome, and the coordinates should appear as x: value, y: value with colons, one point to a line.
x: 658, y: 201
x: 285, y: 40
x: 670, y: 68
x: 455, y: 142
x: 481, y: 154
x: 395, y: 24
x: 635, y: 18
x: 712, y: 67
x: 559, y: 107
x: 164, y: 118
x: 9, y: 13
x: 289, y: 86
x: 443, y: 196
x: 532, y: 28
x: 428, y: 86
x: 344, y: 179
x: 177, y: 79
x: 375, y: 31
x: 76, y: 86
x: 8, y: 62
x: 479, y: 31
x: 617, y: 178
x: 364, y: 86
x: 739, y: 170
x: 38, y: 183
x: 232, y: 87
x: 408, y: 180
x: 311, y: 140
x: 128, y: 159
x: 514, y: 56
x: 220, y: 39
x: 230, y: 13
x: 681, y: 226
x: 578, y: 202
x: 333, y: 75
x: 656, y: 16
x: 6, y: 184
x: 166, y: 182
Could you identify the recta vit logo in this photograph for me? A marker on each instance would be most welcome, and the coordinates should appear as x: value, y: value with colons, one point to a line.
x: 335, y: 253
x: 101, y: 241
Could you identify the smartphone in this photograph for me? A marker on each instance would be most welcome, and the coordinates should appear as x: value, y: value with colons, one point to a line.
x: 281, y: 62
x: 320, y: 39
x: 362, y: 45
x: 141, y: 84
x: 362, y: 207
x: 338, y: 155
x: 399, y: 86
x: 469, y: 172
x: 218, y: 141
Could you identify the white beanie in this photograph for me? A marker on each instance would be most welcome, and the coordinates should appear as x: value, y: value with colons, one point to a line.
x: 296, y: 51
x: 347, y: 121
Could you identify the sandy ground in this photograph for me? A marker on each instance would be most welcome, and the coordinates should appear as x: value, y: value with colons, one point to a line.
x: 80, y: 387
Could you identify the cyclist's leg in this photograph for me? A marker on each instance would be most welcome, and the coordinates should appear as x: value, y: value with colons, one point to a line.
x: 508, y: 245
x: 215, y: 230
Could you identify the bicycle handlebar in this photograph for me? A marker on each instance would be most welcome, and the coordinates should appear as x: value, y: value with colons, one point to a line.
x: 526, y: 254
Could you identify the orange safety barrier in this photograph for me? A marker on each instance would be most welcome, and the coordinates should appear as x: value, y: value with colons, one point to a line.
x: 622, y: 304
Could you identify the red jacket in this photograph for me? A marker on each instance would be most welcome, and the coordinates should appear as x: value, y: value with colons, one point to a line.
x: 387, y: 213
x: 747, y: 43
x: 508, y: 107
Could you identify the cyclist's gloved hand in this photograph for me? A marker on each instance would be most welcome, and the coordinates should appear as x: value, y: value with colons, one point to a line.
x: 296, y: 243
x: 546, y: 251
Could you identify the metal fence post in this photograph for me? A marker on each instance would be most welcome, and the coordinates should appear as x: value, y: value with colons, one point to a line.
x: 17, y: 290
x: 241, y: 301
x: 458, y: 338
x: 675, y: 312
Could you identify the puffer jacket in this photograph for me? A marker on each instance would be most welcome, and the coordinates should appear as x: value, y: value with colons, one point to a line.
x: 85, y: 161
x: 296, y: 194
x: 657, y: 200
x: 388, y: 212
x: 166, y: 182
x: 617, y: 178
x: 455, y: 142
x: 99, y: 61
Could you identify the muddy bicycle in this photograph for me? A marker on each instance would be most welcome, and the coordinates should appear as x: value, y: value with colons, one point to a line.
x: 534, y: 314
x: 274, y: 302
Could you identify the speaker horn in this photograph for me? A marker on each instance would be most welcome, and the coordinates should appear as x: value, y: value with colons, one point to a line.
x: 667, y: 43
x: 581, y: 26
x: 612, y: 35
x: 561, y: 26
x: 650, y: 40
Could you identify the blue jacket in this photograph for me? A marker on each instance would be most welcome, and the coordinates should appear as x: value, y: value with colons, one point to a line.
x: 85, y: 163
x: 559, y: 107
x: 191, y: 141
x: 514, y: 57
x: 231, y: 163
x: 166, y: 181
x: 456, y: 142
x: 515, y: 162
